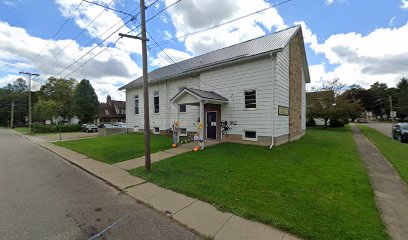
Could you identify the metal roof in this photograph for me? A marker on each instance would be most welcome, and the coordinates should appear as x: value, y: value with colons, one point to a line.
x: 208, y: 95
x: 272, y: 42
x: 204, y: 95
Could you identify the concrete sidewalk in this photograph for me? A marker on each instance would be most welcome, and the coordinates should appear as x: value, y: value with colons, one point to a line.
x: 199, y: 216
x: 391, y: 192
x: 158, y: 156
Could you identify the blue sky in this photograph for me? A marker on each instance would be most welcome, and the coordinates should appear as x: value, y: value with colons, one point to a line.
x: 359, y: 41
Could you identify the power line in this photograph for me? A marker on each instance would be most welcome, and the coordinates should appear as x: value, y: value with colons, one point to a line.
x: 107, y: 7
x: 76, y: 37
x: 91, y: 59
x: 94, y: 47
x: 152, y: 4
x: 92, y: 41
x: 171, y: 5
x: 105, y: 48
x: 224, y: 23
x: 60, y: 28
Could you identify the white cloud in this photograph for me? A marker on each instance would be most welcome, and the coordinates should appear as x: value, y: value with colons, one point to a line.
x: 190, y: 16
x: 391, y: 23
x: 404, y: 4
x: 88, y: 12
x: 11, y: 3
x: 382, y: 56
x: 110, y: 67
x: 175, y: 55
x: 331, y: 2
x: 167, y: 35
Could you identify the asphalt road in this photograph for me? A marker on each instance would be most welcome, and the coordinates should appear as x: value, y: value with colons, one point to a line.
x: 44, y: 197
x: 383, y: 127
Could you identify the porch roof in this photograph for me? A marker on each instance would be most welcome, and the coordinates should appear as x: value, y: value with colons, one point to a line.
x: 201, y: 95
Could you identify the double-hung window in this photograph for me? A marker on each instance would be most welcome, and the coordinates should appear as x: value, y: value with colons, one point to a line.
x: 136, y: 104
x: 156, y: 102
x: 250, y: 99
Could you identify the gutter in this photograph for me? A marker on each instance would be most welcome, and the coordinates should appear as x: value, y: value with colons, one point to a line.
x: 274, y: 68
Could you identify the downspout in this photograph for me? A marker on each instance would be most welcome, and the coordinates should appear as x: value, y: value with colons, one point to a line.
x: 274, y: 63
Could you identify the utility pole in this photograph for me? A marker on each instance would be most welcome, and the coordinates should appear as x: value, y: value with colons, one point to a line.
x: 12, y: 115
x: 145, y: 82
x: 29, y: 97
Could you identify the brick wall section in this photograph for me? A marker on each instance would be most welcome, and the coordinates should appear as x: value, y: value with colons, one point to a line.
x: 295, y: 86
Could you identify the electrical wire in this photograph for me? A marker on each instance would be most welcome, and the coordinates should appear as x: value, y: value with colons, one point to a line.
x: 60, y: 28
x: 224, y: 23
x: 152, y: 4
x: 76, y: 37
x: 171, y: 5
x: 93, y: 40
x: 117, y: 40
x: 104, y: 40
x: 109, y: 8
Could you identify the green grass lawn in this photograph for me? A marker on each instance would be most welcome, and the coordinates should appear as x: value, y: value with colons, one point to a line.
x: 22, y: 129
x: 116, y: 148
x: 396, y: 152
x: 316, y: 187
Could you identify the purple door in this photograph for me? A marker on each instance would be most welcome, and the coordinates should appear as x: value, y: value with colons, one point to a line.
x: 211, y: 125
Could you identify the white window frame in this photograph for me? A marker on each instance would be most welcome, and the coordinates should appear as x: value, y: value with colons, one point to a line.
x: 250, y: 139
x: 154, y: 130
x: 256, y: 99
x: 134, y: 102
x: 183, y: 134
x: 156, y: 94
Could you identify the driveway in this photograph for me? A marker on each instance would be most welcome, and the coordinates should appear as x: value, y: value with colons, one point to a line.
x: 383, y: 127
x: 44, y: 197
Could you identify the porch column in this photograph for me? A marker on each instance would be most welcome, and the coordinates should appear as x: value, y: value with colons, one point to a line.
x: 202, y: 121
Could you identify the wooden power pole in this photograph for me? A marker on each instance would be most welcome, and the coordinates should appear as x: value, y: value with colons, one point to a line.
x: 29, y: 97
x: 145, y: 82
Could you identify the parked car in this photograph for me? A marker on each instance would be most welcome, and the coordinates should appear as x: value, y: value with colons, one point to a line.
x: 400, y: 132
x: 105, y: 125
x: 89, y: 128
x: 361, y: 120
x: 119, y: 125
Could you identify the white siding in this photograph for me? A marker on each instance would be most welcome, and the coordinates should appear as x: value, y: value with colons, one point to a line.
x: 231, y: 82
x: 168, y: 112
x: 282, y: 92
x: 188, y: 119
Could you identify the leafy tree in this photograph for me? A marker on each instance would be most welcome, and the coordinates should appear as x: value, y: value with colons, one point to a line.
x: 60, y: 91
x: 46, y: 110
x: 321, y: 107
x: 403, y: 84
x: 357, y: 93
x: 402, y: 101
x: 380, y: 98
x: 17, y: 92
x: 332, y: 102
x: 85, y: 102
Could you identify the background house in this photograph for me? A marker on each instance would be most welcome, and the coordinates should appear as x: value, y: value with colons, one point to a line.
x: 256, y: 87
x: 112, y: 111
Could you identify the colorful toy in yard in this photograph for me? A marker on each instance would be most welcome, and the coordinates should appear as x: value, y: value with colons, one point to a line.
x: 199, y: 139
x: 175, y: 128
